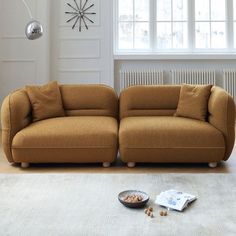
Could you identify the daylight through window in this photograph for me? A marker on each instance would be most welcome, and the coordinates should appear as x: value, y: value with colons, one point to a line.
x: 175, y: 25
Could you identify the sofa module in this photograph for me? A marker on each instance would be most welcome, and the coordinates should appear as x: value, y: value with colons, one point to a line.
x: 149, y: 131
x: 88, y: 133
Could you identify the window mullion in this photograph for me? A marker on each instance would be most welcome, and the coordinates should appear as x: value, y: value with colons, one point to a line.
x: 210, y: 23
x: 230, y: 24
x: 191, y: 25
x: 152, y: 24
x: 133, y: 24
x: 172, y: 20
x: 116, y: 25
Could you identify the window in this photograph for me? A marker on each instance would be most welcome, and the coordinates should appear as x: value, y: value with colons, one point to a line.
x: 172, y: 24
x: 134, y: 26
x: 175, y: 26
x: 210, y: 24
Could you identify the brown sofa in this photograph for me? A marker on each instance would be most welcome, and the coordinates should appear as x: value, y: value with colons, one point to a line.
x: 88, y: 133
x: 149, y: 131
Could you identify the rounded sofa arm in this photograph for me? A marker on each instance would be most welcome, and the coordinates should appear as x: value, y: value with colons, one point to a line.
x: 221, y: 109
x: 15, y: 115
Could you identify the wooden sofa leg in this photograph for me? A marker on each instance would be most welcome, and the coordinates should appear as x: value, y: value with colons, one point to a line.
x: 106, y: 164
x: 25, y: 165
x: 212, y: 164
x: 131, y: 164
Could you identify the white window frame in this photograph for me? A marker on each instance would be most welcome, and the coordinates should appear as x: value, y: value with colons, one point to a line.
x: 191, y: 50
x: 170, y: 50
x: 215, y: 50
x: 116, y: 31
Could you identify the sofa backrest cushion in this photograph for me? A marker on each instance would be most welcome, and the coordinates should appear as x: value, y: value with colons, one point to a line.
x: 89, y: 100
x: 149, y: 100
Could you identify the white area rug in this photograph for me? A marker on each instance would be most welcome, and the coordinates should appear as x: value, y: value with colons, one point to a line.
x: 87, y: 205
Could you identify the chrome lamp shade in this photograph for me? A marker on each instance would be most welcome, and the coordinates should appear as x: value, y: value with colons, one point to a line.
x: 33, y: 29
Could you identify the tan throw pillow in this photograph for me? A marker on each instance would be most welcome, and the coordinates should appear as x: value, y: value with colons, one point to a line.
x: 46, y: 101
x: 193, y: 101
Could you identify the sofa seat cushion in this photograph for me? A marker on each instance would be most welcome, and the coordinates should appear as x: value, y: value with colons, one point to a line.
x: 69, y: 132
x: 168, y: 132
x: 169, y: 139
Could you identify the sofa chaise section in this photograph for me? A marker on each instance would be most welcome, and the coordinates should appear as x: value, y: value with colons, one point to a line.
x: 87, y: 134
x: 149, y: 131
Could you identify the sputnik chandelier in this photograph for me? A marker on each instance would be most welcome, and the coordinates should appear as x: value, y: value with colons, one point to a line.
x: 80, y: 14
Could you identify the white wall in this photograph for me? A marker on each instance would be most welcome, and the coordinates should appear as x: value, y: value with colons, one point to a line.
x: 22, y: 61
x: 87, y: 56
x: 62, y: 54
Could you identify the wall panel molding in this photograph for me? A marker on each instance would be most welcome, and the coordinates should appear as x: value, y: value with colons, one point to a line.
x: 18, y: 60
x: 79, y: 38
x: 13, y: 37
x: 80, y: 48
x: 87, y: 56
x: 76, y: 71
x: 80, y: 76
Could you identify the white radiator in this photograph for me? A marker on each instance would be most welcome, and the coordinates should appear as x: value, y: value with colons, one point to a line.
x: 193, y: 76
x: 229, y: 77
x: 135, y: 77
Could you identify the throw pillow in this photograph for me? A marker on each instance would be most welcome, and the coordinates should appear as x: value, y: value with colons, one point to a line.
x: 46, y: 101
x: 193, y: 101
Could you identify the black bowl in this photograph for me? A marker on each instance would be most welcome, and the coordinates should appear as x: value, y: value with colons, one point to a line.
x: 140, y: 204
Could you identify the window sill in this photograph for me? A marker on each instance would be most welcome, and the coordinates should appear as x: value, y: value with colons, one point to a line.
x: 175, y: 56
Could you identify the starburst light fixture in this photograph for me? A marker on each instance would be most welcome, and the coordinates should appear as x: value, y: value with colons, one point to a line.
x: 80, y: 14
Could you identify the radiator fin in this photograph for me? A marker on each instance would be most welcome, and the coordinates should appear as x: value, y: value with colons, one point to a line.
x: 193, y: 76
x: 135, y: 77
x: 229, y: 78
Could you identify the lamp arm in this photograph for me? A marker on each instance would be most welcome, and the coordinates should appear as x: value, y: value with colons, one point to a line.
x: 28, y: 9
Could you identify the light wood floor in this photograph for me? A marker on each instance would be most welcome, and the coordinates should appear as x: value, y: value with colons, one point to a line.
x: 224, y: 167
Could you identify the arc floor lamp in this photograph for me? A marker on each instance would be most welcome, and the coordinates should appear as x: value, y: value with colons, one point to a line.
x: 33, y: 29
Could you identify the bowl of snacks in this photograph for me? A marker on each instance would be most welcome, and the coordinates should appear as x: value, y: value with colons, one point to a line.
x: 133, y: 198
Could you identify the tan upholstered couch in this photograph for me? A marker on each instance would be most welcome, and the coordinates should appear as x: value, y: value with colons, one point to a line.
x: 150, y: 133
x: 88, y: 133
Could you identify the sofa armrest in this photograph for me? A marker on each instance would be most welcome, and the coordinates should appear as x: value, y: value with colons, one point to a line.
x: 15, y: 115
x: 222, y: 116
